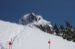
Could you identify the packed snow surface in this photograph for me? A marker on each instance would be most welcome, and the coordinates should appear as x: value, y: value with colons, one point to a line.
x: 29, y: 37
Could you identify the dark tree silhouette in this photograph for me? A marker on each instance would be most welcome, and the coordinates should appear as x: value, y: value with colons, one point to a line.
x: 56, y: 29
x: 61, y: 30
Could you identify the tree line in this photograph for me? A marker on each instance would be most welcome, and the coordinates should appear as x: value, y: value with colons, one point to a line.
x: 66, y: 32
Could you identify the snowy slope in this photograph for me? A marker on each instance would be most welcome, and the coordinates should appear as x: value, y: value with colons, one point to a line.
x: 30, y: 37
x: 8, y: 30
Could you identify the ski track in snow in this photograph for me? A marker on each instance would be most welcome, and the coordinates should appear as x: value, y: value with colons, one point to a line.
x: 30, y: 38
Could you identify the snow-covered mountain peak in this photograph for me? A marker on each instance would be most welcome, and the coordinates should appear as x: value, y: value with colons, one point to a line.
x: 29, y: 18
x: 34, y: 19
